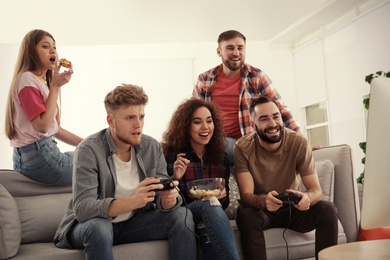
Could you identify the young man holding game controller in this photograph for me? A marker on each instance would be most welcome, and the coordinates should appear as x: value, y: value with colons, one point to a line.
x: 117, y: 194
x: 271, y: 162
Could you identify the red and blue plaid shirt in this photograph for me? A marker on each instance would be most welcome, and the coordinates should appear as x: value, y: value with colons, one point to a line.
x: 196, y: 170
x: 254, y: 83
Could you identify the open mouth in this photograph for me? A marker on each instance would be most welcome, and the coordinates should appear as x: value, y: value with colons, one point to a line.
x: 52, y: 59
x: 204, y: 134
x: 273, y: 130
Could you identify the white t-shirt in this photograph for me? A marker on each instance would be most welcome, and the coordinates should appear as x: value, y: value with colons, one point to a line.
x: 127, y: 181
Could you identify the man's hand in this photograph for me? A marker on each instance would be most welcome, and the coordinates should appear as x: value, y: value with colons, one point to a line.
x: 169, y: 197
x: 271, y: 202
x: 142, y: 195
x: 304, y: 203
x: 144, y: 192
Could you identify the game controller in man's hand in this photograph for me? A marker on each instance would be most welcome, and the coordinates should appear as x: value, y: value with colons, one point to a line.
x: 166, y: 184
x: 288, y: 198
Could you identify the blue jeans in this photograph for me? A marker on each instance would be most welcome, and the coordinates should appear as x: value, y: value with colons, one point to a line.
x: 43, y: 162
x: 213, y: 230
x: 229, y: 149
x: 97, y: 235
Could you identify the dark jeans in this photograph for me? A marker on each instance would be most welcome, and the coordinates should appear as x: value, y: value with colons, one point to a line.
x: 252, y: 222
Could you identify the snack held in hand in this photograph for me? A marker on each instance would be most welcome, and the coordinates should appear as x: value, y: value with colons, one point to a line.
x: 65, y: 63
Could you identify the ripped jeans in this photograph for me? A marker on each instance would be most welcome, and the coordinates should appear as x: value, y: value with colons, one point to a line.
x: 214, y: 231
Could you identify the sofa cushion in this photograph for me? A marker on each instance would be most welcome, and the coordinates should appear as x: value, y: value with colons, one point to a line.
x: 10, y: 230
x: 41, y: 215
x: 158, y: 249
x: 234, y: 196
x: 325, y: 172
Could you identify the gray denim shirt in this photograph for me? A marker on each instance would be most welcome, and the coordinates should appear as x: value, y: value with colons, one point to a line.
x: 94, y: 179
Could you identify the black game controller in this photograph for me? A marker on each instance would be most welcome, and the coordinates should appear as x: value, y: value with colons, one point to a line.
x: 166, y: 184
x: 289, y: 198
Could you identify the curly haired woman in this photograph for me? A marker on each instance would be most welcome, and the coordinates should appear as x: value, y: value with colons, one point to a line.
x: 194, y: 148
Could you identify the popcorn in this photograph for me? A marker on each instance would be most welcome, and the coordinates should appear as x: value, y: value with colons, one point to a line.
x: 199, y: 193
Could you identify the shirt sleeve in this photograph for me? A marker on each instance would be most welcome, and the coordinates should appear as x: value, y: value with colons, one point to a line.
x: 197, y: 92
x: 306, y: 163
x: 31, y: 101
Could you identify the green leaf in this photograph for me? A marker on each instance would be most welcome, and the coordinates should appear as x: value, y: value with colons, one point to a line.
x: 360, y: 179
x: 362, y: 146
x: 366, y: 103
x: 369, y: 78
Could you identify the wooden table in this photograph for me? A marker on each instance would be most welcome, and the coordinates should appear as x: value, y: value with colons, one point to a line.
x: 362, y: 250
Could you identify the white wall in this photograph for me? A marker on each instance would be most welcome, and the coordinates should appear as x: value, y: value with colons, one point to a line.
x: 342, y: 60
x: 166, y: 71
x: 333, y: 67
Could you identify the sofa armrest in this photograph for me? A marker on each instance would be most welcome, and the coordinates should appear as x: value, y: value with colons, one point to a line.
x: 346, y: 196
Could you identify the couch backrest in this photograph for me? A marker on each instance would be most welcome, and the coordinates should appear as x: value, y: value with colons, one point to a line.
x: 19, y: 185
x: 345, y: 187
x: 40, y: 207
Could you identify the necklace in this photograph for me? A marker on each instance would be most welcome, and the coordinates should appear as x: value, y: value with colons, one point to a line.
x: 42, y: 79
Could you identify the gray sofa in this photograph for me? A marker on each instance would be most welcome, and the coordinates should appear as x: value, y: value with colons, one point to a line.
x: 30, y: 213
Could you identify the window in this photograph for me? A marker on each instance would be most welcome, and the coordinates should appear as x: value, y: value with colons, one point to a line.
x: 317, y: 124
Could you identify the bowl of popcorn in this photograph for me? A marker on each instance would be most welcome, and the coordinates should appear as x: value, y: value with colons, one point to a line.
x: 202, y: 188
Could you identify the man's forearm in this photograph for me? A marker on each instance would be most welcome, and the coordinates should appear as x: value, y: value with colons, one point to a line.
x: 315, y: 196
x: 253, y: 200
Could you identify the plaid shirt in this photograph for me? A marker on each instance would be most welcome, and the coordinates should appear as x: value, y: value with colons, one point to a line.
x: 253, y: 84
x: 196, y: 170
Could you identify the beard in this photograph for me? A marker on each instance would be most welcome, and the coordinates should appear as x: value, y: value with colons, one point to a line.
x: 128, y: 138
x: 270, y: 139
x: 231, y: 66
x: 130, y: 141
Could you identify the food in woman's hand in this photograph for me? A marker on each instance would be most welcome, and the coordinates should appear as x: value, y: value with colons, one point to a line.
x: 65, y: 63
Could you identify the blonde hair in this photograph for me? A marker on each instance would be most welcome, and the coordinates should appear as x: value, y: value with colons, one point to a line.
x: 125, y: 95
x: 27, y: 60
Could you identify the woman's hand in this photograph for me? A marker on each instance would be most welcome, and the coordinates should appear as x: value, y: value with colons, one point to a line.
x: 60, y: 78
x: 222, y: 195
x: 180, y: 166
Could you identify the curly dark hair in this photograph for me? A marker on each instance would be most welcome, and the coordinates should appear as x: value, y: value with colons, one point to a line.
x: 177, y: 137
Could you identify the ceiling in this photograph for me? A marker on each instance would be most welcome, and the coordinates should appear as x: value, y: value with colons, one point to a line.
x: 87, y: 22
